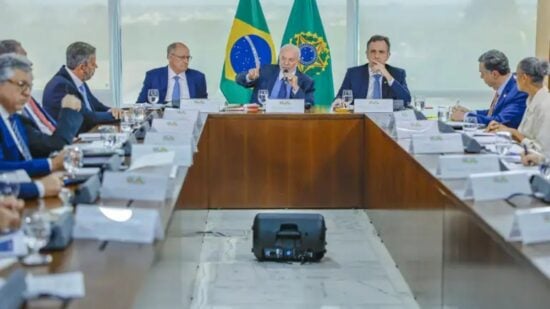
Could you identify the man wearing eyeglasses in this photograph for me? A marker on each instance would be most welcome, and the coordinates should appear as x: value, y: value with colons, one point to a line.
x: 175, y: 81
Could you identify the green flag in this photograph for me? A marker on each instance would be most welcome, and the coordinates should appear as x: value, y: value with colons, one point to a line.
x: 305, y: 30
x: 249, y: 45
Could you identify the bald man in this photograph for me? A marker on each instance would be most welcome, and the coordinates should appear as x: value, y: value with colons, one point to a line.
x: 176, y: 81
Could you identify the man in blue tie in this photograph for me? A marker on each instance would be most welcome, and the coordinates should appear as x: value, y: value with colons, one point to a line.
x: 71, y: 79
x: 376, y: 79
x: 15, y: 89
x: 175, y: 81
x: 283, y: 81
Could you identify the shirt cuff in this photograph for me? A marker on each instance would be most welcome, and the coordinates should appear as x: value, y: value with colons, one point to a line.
x: 50, y: 164
x: 40, y: 188
x: 248, y: 81
x: 391, y: 82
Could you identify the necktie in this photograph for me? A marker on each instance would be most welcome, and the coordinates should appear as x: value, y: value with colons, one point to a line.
x: 24, y: 149
x: 176, y: 92
x: 282, y: 91
x: 376, y: 85
x: 82, y: 90
x: 43, y: 119
x: 493, y: 103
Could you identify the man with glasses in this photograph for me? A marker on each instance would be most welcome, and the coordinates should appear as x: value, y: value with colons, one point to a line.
x: 175, y: 81
x: 15, y: 90
x: 71, y: 79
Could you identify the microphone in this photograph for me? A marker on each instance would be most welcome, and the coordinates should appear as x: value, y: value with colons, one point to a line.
x: 285, y: 78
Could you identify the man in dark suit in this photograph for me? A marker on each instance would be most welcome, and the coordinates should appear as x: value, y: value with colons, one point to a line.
x: 376, y: 79
x: 283, y: 81
x: 71, y: 79
x: 508, y: 104
x: 15, y: 88
x: 175, y: 81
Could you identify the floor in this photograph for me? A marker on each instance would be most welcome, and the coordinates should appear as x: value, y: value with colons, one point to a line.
x: 206, y: 262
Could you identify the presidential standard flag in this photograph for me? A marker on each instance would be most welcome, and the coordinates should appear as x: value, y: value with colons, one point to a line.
x: 305, y: 30
x: 249, y: 46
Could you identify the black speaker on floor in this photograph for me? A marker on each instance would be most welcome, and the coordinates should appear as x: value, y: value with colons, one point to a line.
x: 289, y: 237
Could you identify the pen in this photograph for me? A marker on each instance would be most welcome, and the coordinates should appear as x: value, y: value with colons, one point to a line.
x: 525, y: 150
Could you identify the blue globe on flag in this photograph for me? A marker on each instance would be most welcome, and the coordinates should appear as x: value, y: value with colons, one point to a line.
x: 248, y: 52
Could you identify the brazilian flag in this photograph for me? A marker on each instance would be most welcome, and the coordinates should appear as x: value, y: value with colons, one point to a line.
x: 305, y: 30
x: 249, y: 46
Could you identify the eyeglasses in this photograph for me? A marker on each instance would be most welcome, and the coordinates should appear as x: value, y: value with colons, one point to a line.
x: 23, y: 85
x: 182, y: 57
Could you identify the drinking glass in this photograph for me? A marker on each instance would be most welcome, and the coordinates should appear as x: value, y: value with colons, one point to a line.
x: 139, y: 113
x: 127, y: 121
x: 263, y: 95
x: 545, y: 169
x: 503, y: 142
x: 37, y: 230
x: 153, y: 96
x: 72, y: 160
x: 470, y: 124
x: 66, y: 195
x: 109, y: 140
x: 443, y: 113
x: 347, y: 97
x: 8, y: 187
x: 419, y: 103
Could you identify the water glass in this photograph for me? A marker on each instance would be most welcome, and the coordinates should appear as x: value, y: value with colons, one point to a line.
x: 545, y: 169
x: 66, y: 196
x: 347, y: 97
x: 139, y: 113
x: 72, y: 160
x: 153, y: 96
x: 470, y: 124
x: 503, y: 142
x: 109, y: 140
x: 443, y: 113
x: 127, y: 121
x: 8, y: 187
x: 263, y: 95
x: 419, y: 103
x: 37, y: 230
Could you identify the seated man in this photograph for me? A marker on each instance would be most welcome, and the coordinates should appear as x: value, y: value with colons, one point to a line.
x: 15, y: 86
x: 283, y: 81
x: 175, y: 81
x: 71, y: 79
x: 37, y: 119
x: 508, y: 104
x: 376, y: 79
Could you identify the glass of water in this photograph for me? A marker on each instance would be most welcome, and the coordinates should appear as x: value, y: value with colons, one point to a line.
x: 72, y: 160
x: 109, y: 141
x: 8, y: 187
x: 443, y: 113
x: 470, y: 124
x: 347, y: 97
x: 419, y: 103
x: 37, y: 230
x: 153, y: 96
x: 503, y: 142
x: 545, y: 169
x: 127, y: 121
x: 139, y: 113
x: 263, y: 95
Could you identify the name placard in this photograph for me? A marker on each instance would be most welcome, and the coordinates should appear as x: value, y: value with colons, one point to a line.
x: 180, y: 114
x: 12, y: 244
x: 437, y: 143
x: 285, y: 106
x: 373, y: 106
x: 406, y: 129
x: 137, y: 225
x: 202, y: 105
x: 461, y: 166
x: 500, y: 185
x: 169, y: 138
x: 134, y: 186
x: 167, y: 125
x: 404, y: 115
x: 183, y: 153
x: 533, y: 224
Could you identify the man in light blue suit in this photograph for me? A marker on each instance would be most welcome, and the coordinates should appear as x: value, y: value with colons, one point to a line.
x: 283, y: 81
x: 175, y: 81
x: 15, y: 89
x: 376, y: 79
x: 508, y: 104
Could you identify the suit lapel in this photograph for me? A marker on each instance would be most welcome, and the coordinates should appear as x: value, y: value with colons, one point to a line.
x: 272, y: 79
x: 504, y: 95
x: 190, y: 84
x: 11, y: 152
x: 364, y: 87
x: 163, y: 79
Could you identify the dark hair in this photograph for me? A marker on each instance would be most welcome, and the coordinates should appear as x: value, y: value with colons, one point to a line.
x: 535, y: 68
x: 9, y: 46
x: 78, y: 53
x: 495, y: 60
x: 378, y: 37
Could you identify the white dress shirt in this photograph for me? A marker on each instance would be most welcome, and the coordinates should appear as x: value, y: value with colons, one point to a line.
x: 535, y: 124
x: 184, y: 88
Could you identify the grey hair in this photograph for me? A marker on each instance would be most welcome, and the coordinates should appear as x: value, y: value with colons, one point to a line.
x: 78, y: 53
x: 292, y: 47
x: 495, y: 60
x: 11, y: 62
x: 9, y: 46
x: 173, y: 47
x: 535, y: 68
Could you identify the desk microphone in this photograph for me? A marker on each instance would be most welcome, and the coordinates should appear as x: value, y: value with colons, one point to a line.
x: 285, y: 78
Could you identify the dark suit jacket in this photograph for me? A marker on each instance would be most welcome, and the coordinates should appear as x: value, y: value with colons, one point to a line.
x: 28, y: 190
x: 509, y: 108
x: 267, y: 79
x: 41, y: 145
x: 10, y: 157
x: 357, y: 79
x: 62, y: 84
x: 158, y: 79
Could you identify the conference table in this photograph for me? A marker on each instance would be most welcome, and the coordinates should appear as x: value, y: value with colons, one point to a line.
x: 451, y: 252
